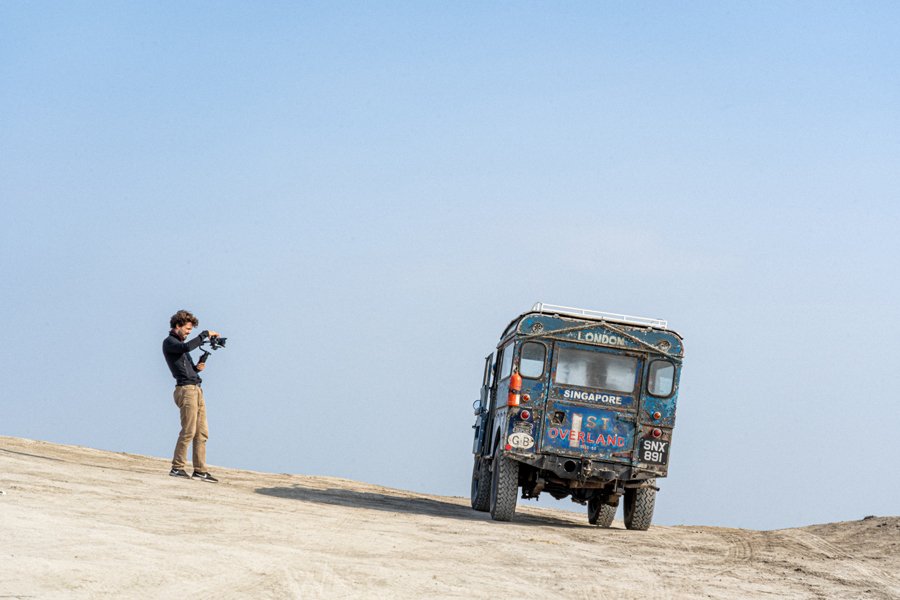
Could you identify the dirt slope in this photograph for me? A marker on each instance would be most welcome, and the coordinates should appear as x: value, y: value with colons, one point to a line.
x: 83, y: 523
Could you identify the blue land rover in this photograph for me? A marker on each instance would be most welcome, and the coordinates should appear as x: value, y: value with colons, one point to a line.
x: 579, y: 403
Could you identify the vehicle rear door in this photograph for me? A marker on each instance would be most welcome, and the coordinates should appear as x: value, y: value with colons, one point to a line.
x: 482, y: 405
x: 592, y: 403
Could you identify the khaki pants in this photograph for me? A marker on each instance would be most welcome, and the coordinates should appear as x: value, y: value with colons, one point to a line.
x: 189, y: 400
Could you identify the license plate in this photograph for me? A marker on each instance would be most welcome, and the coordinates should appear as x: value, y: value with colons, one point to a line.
x: 654, y: 451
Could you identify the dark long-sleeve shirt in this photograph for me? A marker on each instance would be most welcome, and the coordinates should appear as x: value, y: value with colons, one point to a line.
x: 179, y: 360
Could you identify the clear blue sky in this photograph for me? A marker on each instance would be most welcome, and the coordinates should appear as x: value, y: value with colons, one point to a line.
x: 361, y: 195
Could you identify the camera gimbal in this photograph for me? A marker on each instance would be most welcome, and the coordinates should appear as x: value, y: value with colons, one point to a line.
x: 215, y: 342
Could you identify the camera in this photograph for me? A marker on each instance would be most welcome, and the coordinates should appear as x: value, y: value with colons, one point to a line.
x: 215, y: 342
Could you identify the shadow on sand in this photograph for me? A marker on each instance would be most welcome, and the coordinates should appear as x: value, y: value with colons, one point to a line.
x: 403, y: 504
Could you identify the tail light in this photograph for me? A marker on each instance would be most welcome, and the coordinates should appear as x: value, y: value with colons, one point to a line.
x: 657, y: 432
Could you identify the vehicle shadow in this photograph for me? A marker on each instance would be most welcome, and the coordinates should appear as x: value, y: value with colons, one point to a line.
x: 403, y: 504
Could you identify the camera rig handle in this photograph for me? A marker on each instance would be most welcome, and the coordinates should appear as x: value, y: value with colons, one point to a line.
x: 215, y: 342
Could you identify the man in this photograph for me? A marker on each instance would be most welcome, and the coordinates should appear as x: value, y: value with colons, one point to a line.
x: 188, y: 395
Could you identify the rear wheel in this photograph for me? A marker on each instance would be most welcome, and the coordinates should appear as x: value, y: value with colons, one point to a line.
x: 600, y: 514
x: 639, y: 505
x: 504, y: 488
x: 481, y: 485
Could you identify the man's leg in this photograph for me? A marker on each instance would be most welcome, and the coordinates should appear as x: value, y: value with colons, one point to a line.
x: 201, y: 434
x: 186, y: 399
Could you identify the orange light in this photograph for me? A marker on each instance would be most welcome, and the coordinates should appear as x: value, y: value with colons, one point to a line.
x: 657, y: 415
x: 515, y: 388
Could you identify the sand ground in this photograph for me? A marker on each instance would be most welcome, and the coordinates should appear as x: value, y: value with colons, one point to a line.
x: 82, y: 523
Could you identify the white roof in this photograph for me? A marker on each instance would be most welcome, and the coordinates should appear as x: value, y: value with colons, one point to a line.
x: 542, y: 307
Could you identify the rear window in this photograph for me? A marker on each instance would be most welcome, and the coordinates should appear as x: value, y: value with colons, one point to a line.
x: 531, y: 360
x: 661, y: 379
x: 586, y: 368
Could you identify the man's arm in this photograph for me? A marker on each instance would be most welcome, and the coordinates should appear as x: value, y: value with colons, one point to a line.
x: 171, y: 346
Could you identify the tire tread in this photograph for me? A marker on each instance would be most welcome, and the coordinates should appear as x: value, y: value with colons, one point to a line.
x: 481, y: 496
x: 504, y: 488
x: 639, y: 505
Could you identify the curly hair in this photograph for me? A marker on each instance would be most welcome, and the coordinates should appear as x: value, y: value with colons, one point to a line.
x: 183, y: 317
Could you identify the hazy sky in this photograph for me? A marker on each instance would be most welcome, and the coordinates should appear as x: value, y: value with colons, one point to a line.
x: 362, y: 195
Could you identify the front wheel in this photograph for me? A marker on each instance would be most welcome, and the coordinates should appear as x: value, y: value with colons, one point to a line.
x: 481, y: 485
x: 639, y: 505
x: 504, y: 488
x: 600, y: 514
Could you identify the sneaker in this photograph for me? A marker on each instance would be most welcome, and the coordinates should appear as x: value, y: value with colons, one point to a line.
x: 179, y: 473
x: 203, y: 477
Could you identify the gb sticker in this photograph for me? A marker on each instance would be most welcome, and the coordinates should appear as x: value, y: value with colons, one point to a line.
x: 520, y: 440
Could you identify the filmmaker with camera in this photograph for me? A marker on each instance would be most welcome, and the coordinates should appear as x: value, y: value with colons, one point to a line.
x: 188, y: 393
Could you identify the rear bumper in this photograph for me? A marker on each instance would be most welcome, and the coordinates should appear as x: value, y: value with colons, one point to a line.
x: 585, y: 470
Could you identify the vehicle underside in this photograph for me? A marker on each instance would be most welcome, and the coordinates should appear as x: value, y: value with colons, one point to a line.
x: 582, y: 480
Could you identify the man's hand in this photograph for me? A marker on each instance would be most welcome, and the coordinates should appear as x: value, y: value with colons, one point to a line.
x: 212, y: 333
x: 201, y: 366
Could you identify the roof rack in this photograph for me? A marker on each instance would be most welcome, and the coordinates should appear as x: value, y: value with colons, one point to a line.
x: 598, y: 314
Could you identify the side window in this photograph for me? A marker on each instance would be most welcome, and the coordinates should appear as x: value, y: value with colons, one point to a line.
x: 661, y: 378
x: 531, y: 360
x: 506, y: 365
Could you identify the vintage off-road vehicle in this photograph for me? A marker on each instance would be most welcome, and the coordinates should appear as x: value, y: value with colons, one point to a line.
x: 577, y: 403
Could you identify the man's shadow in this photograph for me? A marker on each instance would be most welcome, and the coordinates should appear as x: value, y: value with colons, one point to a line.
x: 402, y: 504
